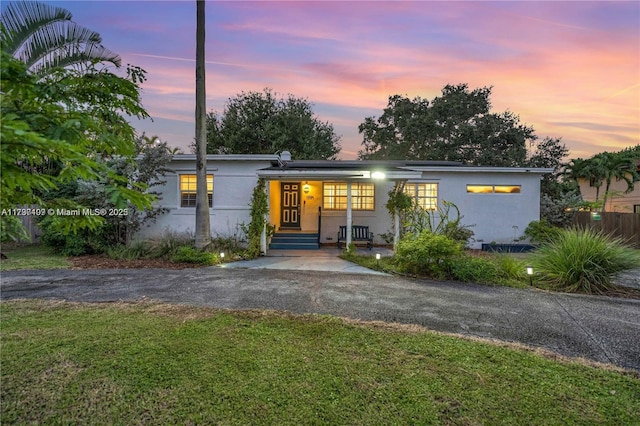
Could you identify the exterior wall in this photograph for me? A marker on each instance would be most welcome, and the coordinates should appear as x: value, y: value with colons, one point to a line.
x: 379, y: 221
x: 233, y: 183
x: 495, y: 217
x: 619, y: 201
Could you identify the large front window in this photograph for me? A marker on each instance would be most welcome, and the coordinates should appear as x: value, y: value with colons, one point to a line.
x: 188, y: 190
x: 335, y: 196
x: 424, y: 195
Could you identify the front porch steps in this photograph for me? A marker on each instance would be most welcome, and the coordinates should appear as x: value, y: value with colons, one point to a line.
x: 294, y: 241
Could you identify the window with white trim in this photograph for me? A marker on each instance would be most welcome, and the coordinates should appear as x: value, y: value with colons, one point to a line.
x: 334, y: 196
x: 493, y: 189
x: 188, y: 190
x: 424, y: 195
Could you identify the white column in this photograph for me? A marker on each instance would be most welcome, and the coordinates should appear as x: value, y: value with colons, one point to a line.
x: 349, y: 213
x: 396, y: 227
x: 263, y: 236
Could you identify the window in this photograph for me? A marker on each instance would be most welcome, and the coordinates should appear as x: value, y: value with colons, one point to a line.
x: 424, y: 194
x: 335, y: 196
x: 636, y: 208
x: 188, y: 190
x: 493, y: 189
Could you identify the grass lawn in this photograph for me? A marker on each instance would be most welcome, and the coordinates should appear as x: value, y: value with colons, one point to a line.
x: 159, y: 364
x: 31, y: 256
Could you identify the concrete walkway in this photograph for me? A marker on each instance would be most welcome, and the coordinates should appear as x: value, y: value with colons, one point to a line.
x: 325, y: 259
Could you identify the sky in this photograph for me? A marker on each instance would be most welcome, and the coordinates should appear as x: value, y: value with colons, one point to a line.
x: 569, y: 69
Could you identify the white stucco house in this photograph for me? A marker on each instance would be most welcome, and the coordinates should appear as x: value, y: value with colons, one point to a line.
x: 315, y: 198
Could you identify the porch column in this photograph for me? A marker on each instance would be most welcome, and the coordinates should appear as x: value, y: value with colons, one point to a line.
x: 263, y: 235
x: 349, y: 213
x: 396, y: 228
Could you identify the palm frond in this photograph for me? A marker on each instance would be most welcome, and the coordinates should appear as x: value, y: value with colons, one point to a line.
x: 21, y: 19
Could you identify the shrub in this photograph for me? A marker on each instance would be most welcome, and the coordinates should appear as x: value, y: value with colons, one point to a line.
x: 510, y: 268
x: 541, y: 231
x: 190, y: 255
x: 428, y: 254
x: 583, y: 260
x: 475, y: 269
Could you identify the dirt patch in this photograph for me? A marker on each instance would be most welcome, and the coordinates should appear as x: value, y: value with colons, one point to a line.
x: 104, y: 262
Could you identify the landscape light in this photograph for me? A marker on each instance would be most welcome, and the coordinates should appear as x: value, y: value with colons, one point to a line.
x: 221, y: 255
x: 530, y: 273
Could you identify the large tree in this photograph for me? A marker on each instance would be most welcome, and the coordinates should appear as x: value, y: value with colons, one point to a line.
x: 456, y: 126
x: 61, y: 129
x: 263, y: 123
x: 203, y: 225
x: 44, y: 36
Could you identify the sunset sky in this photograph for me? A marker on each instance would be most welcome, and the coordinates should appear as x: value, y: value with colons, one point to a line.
x: 569, y: 69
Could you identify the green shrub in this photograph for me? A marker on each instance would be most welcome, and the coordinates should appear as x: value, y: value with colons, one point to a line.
x: 475, y: 269
x: 191, y: 255
x: 135, y: 250
x: 582, y: 260
x: 427, y: 254
x: 541, y: 232
x: 69, y: 243
x: 509, y: 267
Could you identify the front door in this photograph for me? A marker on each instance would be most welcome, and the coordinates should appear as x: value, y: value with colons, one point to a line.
x: 290, y: 214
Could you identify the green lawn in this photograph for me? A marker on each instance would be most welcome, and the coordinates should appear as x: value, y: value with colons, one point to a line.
x: 31, y: 256
x: 157, y: 364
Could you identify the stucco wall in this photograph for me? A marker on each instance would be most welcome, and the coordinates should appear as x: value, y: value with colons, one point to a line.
x: 495, y: 217
x: 233, y: 183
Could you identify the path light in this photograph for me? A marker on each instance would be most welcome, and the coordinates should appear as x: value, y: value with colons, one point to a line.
x: 530, y: 273
x: 378, y: 259
x: 221, y: 255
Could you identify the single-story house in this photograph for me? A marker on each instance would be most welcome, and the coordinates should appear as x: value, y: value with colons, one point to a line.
x: 312, y: 197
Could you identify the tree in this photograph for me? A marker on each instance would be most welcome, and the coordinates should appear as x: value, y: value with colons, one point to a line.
x: 457, y: 126
x: 262, y: 123
x: 43, y: 37
x: 203, y: 226
x: 61, y: 129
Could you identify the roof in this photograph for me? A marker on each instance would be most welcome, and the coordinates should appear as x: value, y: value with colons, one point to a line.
x: 393, y: 169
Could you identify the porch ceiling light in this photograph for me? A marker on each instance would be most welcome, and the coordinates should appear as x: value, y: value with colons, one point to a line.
x: 377, y: 175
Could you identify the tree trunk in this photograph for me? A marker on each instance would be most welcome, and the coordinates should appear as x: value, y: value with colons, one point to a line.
x: 203, y: 227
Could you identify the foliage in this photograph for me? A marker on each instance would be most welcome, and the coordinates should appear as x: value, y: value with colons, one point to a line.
x: 445, y: 220
x: 263, y: 123
x: 259, y: 212
x: 192, y: 255
x: 56, y: 234
x: 582, y: 260
x: 63, y: 129
x: 541, y: 232
x: 427, y: 254
x: 475, y: 269
x: 11, y: 229
x: 603, y: 169
x: 457, y: 126
x: 43, y: 37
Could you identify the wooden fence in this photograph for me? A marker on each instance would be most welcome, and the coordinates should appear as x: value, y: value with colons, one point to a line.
x: 623, y: 225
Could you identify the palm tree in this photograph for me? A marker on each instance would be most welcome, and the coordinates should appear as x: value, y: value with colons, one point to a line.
x: 203, y: 226
x: 620, y: 166
x: 44, y: 37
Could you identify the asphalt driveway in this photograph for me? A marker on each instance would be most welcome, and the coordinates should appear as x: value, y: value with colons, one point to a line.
x: 598, y: 328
